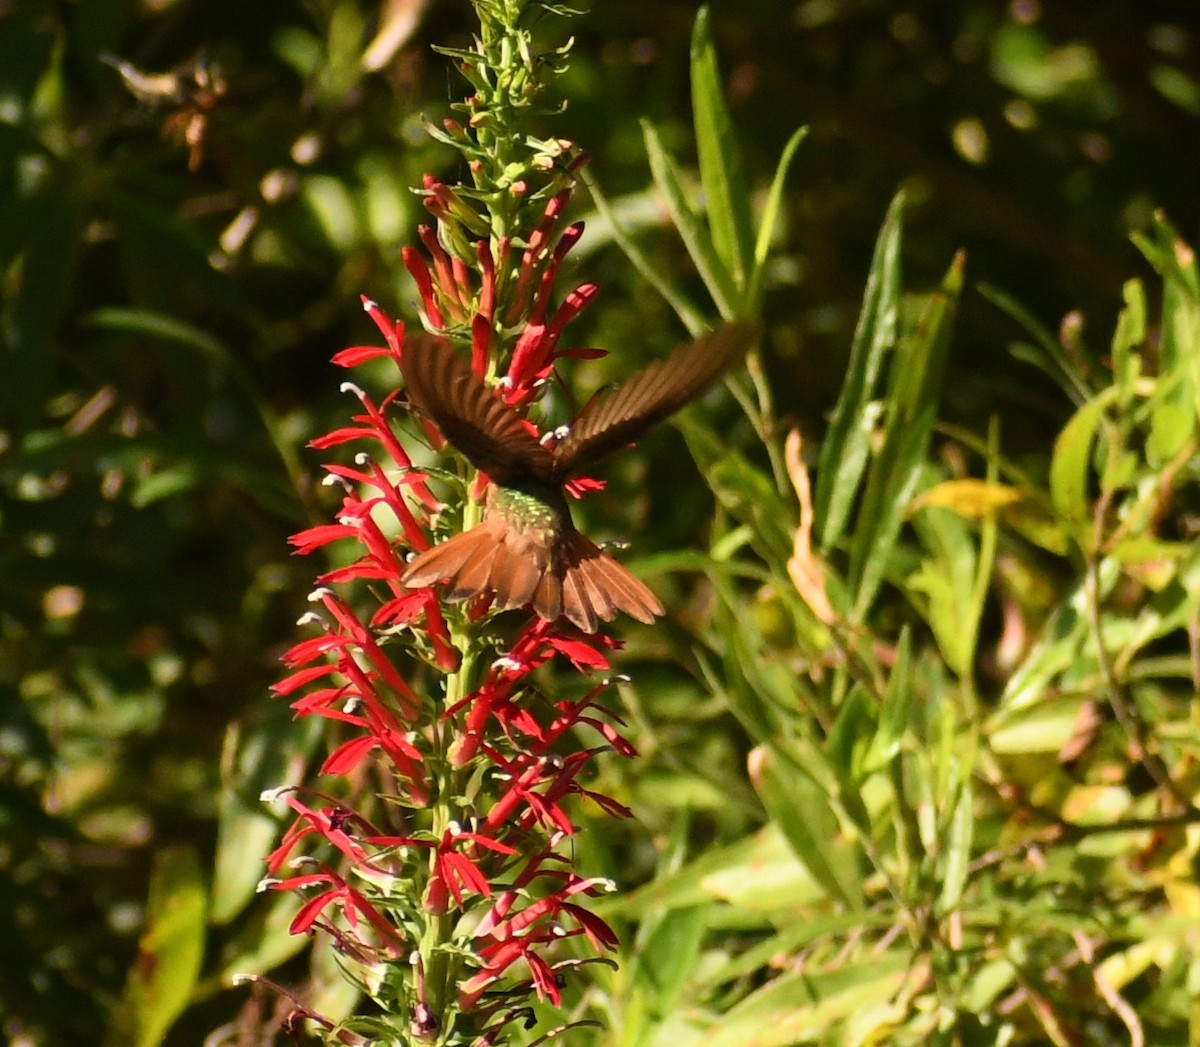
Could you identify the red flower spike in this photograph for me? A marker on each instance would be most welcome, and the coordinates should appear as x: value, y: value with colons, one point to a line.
x: 297, y: 680
x: 353, y: 904
x: 529, y: 356
x: 506, y: 889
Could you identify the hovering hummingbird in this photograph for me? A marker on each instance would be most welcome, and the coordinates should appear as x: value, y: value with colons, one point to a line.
x: 527, y: 550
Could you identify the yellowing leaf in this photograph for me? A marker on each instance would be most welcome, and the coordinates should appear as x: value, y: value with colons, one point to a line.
x: 971, y: 498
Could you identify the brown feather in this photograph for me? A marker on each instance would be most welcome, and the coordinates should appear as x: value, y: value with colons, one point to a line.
x: 627, y: 591
x: 447, y: 561
x: 601, y: 584
x: 471, y: 416
x: 576, y: 606
x: 591, y: 574
x: 548, y: 597
x: 652, y: 395
x: 576, y: 579
x: 515, y: 575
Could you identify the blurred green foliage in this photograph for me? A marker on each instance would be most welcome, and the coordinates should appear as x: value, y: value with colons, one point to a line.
x: 180, y: 258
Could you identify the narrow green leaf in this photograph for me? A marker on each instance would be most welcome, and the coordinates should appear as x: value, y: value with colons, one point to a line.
x: 896, y: 474
x: 262, y: 938
x: 847, y: 443
x: 1070, y: 468
x: 695, y: 235
x: 726, y: 192
x: 1177, y: 407
x: 1044, y: 728
x: 1061, y: 645
x: 1052, y: 361
x: 893, y: 722
x: 267, y: 753
x: 915, y: 386
x: 850, y: 734
x: 1166, y: 250
x: 760, y: 870
x: 173, y: 331
x: 666, y: 959
x: 747, y: 493
x: 770, y: 215
x: 956, y: 853
x: 690, y: 316
x: 1130, y: 333
x: 947, y: 578
x: 893, y: 482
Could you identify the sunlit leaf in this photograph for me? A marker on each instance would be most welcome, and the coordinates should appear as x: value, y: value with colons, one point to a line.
x: 170, y: 951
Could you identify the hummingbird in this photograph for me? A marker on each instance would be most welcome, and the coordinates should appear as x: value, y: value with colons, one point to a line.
x: 527, y: 551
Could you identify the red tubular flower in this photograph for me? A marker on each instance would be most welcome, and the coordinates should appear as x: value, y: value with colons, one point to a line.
x: 419, y: 271
x: 353, y: 904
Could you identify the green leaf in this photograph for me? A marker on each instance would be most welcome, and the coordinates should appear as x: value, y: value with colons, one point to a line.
x: 956, y: 852
x: 262, y: 938
x: 1060, y: 649
x: 726, y: 192
x: 759, y: 873
x: 847, y: 442
x: 1052, y: 360
x: 691, y: 317
x: 1177, y: 399
x: 268, y: 753
x: 1070, y: 467
x: 334, y: 210
x: 797, y: 794
x: 893, y: 722
x: 666, y: 958
x: 899, y: 467
x: 947, y: 579
x: 170, y: 330
x: 851, y: 733
x: 747, y: 493
x: 170, y: 952
x: 1130, y: 333
x: 770, y: 216
x: 800, y: 1007
x: 1042, y: 728
x: 695, y: 235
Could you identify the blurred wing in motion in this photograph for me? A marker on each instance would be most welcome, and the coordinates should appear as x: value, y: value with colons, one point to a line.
x: 471, y: 416
x: 652, y: 395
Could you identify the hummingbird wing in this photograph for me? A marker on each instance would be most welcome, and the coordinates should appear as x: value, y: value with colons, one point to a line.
x: 651, y: 395
x: 472, y: 417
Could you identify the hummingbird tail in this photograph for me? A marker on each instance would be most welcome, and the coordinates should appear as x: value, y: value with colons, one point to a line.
x: 491, y: 557
x: 576, y: 580
x: 595, y: 586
